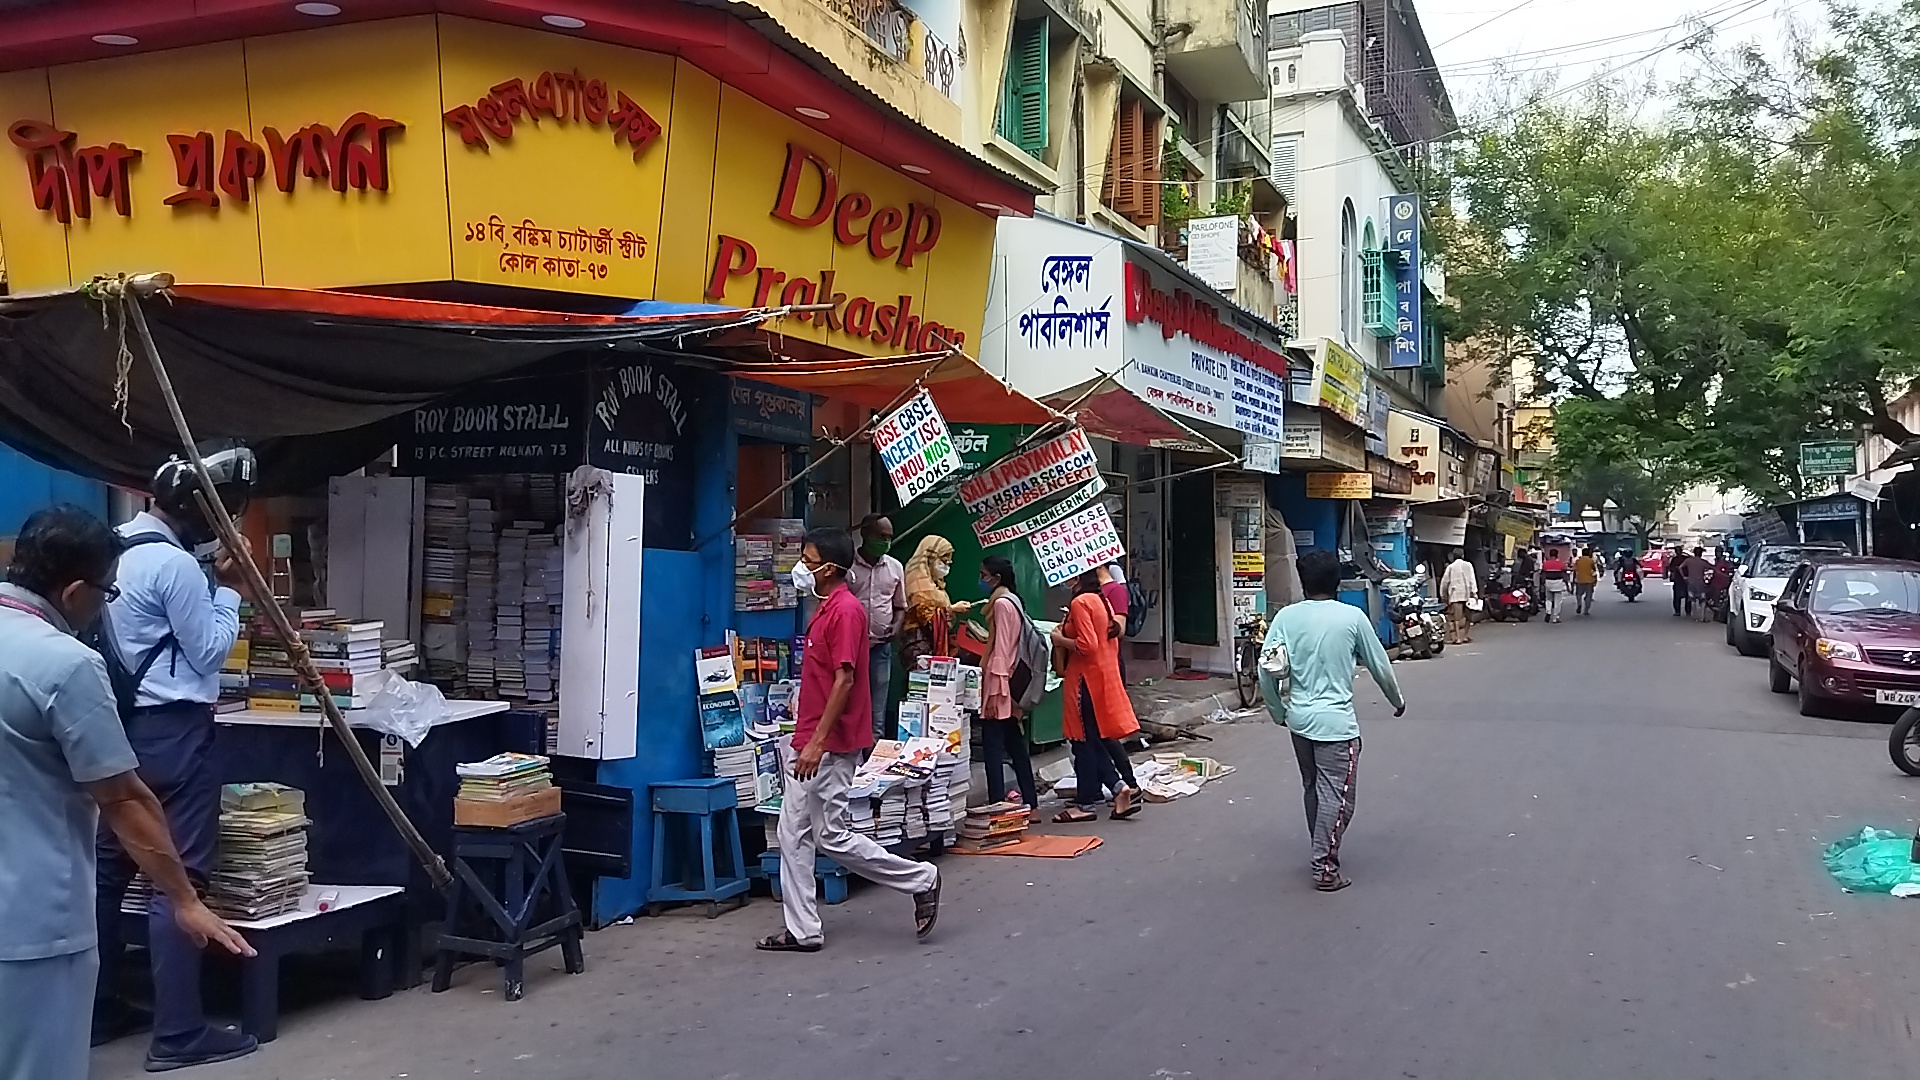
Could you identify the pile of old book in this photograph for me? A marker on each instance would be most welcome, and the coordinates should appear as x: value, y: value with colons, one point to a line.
x: 505, y: 789
x: 992, y: 826
x: 261, y: 869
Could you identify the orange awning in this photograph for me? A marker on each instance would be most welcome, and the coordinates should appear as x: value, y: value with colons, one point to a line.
x: 965, y: 392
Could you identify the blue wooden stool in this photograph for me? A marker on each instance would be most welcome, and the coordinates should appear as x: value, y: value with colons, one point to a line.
x: 532, y: 910
x: 720, y: 868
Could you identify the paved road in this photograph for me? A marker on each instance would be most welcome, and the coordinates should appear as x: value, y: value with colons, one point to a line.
x: 1589, y: 850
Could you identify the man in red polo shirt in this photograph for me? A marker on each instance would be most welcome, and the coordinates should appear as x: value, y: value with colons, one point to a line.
x: 833, y: 723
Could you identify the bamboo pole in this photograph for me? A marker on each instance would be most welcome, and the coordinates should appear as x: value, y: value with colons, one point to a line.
x: 256, y: 584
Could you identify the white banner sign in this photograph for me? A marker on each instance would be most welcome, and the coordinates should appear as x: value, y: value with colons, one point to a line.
x: 1074, y: 546
x: 1012, y: 484
x: 915, y: 447
x: 1073, y: 502
x: 1213, y: 250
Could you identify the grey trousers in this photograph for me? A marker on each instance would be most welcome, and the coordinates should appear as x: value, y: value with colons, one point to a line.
x: 46, y: 1012
x: 1327, y: 773
x: 813, y: 819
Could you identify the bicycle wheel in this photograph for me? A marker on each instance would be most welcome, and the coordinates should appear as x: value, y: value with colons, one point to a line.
x: 1246, y: 679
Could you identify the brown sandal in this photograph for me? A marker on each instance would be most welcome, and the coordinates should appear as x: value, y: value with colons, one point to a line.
x: 1074, y: 816
x: 1123, y: 805
x: 926, y: 909
x: 784, y: 941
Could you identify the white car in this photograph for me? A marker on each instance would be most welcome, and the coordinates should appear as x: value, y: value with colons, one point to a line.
x: 1757, y: 582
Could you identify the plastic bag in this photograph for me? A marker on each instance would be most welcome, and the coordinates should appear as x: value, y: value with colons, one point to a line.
x: 1873, y: 861
x: 403, y: 708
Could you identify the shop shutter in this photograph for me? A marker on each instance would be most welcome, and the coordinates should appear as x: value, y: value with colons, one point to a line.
x: 1023, y: 95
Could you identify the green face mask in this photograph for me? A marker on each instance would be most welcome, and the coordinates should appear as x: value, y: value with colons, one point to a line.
x: 876, y: 548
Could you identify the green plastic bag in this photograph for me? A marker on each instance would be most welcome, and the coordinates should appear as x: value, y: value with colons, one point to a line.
x: 1873, y: 861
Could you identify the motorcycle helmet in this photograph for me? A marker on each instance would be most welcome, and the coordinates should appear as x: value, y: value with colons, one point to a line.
x: 233, y: 469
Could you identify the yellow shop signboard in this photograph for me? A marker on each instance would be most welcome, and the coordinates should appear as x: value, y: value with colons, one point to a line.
x: 437, y: 148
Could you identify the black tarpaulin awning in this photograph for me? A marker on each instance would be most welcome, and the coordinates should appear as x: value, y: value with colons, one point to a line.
x: 275, y: 367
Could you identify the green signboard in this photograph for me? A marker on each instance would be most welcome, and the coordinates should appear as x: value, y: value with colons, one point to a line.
x: 1826, y: 458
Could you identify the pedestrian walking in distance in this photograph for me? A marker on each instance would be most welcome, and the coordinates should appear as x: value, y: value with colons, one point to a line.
x: 172, y: 629
x: 1586, y: 575
x: 1458, y: 585
x: 1697, y: 568
x: 1098, y: 713
x: 1677, y: 577
x: 1324, y: 639
x: 1553, y: 574
x: 1000, y: 719
x: 831, y: 730
x: 68, y: 767
x: 879, y: 581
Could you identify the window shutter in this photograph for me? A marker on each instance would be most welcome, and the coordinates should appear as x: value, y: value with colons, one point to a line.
x: 1286, y: 167
x: 1023, y: 95
x: 1132, y: 186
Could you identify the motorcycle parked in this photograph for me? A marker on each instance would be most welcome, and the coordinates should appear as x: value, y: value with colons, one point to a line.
x: 1503, y: 603
x: 1421, y: 625
x: 1629, y: 583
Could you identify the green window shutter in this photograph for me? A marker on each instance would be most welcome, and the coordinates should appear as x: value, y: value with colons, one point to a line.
x: 1376, y: 305
x: 1023, y: 95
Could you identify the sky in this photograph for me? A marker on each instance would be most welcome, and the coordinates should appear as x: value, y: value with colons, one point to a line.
x: 1480, y: 43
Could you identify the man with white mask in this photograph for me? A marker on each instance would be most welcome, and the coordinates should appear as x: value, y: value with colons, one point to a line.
x: 832, y: 726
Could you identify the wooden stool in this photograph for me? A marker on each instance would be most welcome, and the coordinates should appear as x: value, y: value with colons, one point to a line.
x: 702, y: 800
x: 534, y: 882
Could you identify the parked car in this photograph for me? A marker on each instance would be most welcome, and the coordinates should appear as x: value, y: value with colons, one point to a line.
x: 1847, y: 629
x: 1757, y: 584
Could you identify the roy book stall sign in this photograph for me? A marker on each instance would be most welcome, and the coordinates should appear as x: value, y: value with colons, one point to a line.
x: 915, y: 447
x: 1072, y: 547
x: 1001, y: 490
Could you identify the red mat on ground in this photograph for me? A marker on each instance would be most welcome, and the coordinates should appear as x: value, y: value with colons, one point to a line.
x: 1044, y: 847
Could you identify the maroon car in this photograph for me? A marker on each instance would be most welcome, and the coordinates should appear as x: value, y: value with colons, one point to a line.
x: 1847, y: 629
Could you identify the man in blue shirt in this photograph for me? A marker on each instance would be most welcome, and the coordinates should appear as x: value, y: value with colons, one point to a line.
x: 178, y: 626
x: 1324, y: 639
x: 67, y: 768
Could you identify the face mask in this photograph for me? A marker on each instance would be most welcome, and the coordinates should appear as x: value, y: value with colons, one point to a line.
x: 988, y: 584
x: 942, y: 568
x: 877, y: 548
x: 803, y: 578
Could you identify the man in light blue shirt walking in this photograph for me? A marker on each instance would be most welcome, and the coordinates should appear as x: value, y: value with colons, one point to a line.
x: 67, y: 767
x: 172, y: 629
x: 1324, y: 639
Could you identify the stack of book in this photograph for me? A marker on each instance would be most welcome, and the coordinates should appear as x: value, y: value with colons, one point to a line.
x: 398, y: 656
x: 540, y: 617
x: 261, y: 868
x: 753, y: 581
x: 272, y: 684
x: 509, y: 599
x: 737, y: 763
x: 504, y: 789
x: 482, y: 571
x: 994, y: 825
x: 443, y: 606
x: 789, y: 537
x: 233, y: 671
x: 348, y: 655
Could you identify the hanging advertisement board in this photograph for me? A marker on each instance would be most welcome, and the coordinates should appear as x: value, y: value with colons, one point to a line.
x: 1047, y: 516
x: 1011, y: 485
x: 1072, y: 547
x: 915, y: 447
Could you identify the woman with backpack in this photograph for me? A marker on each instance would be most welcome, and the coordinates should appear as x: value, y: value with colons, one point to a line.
x: 1097, y: 709
x: 1000, y: 719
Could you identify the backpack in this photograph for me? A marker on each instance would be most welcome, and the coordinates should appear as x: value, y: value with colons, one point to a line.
x: 1276, y: 675
x: 1137, y: 605
x: 99, y: 638
x: 1028, y: 682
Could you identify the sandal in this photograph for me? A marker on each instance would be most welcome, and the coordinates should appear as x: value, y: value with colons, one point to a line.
x: 784, y: 941
x: 1123, y: 805
x: 1074, y: 816
x: 1332, y: 884
x: 926, y: 909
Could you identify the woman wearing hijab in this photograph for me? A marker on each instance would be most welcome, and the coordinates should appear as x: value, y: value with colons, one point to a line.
x: 927, y: 628
x: 1000, y: 727
x: 1097, y: 708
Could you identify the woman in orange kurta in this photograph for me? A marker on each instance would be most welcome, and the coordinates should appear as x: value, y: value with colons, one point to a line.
x: 1097, y: 708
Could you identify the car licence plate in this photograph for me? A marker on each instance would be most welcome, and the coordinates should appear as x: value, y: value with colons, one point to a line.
x: 1897, y: 697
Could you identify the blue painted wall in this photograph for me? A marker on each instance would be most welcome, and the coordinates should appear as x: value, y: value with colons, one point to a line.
x: 686, y: 604
x: 1288, y: 492
x: 26, y: 486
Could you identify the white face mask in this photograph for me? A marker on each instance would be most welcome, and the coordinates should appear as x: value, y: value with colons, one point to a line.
x: 942, y: 569
x: 803, y: 578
